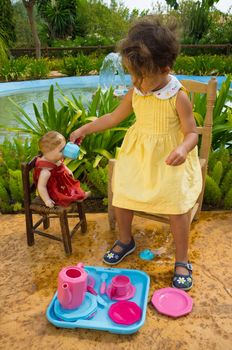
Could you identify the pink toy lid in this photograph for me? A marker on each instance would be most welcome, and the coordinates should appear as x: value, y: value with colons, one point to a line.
x: 125, y: 312
x: 172, y: 302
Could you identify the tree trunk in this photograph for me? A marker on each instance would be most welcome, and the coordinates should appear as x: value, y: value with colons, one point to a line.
x: 29, y: 5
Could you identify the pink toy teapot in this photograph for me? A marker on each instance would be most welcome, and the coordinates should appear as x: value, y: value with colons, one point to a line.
x: 72, y: 286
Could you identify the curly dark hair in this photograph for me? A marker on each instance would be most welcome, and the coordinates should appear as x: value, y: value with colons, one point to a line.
x: 149, y: 47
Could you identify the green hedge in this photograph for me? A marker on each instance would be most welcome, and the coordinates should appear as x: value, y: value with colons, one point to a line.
x: 27, y: 68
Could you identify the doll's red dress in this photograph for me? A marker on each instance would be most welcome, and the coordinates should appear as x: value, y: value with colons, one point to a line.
x: 62, y: 188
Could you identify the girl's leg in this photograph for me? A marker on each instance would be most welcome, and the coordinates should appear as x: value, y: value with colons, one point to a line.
x: 124, y: 219
x: 125, y: 244
x: 180, y: 227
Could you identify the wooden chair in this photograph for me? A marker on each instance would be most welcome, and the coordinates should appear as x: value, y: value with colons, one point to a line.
x: 37, y: 206
x: 205, y: 131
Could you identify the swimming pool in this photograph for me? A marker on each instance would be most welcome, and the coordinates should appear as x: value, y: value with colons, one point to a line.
x: 25, y: 93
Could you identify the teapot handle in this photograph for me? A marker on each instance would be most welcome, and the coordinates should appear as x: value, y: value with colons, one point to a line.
x: 81, y: 265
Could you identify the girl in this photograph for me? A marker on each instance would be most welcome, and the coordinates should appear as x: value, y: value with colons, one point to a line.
x: 54, y: 181
x: 157, y: 170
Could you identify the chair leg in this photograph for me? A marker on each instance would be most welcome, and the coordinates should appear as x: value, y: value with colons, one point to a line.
x: 111, y: 217
x: 46, y: 222
x: 65, y: 233
x: 81, y: 212
x: 200, y: 201
x: 111, y: 214
x: 29, y: 225
x: 201, y: 196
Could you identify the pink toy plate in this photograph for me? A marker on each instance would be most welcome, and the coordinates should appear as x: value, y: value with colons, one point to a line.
x: 172, y: 302
x: 125, y: 312
x: 129, y: 295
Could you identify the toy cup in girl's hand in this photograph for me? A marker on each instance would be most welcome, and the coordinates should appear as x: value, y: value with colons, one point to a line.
x: 71, y: 150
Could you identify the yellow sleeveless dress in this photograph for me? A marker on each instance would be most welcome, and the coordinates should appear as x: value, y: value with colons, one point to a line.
x: 142, y: 180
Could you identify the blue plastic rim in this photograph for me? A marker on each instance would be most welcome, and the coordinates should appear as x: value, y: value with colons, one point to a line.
x: 87, y: 308
x: 9, y: 88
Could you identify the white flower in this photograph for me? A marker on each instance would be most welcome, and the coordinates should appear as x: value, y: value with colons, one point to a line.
x: 110, y: 255
x: 181, y: 280
x: 189, y: 279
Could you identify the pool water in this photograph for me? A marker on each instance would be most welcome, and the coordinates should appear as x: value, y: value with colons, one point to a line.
x: 8, y: 110
x: 26, y: 93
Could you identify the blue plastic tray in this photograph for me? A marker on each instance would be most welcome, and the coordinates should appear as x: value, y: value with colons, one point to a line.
x: 101, y: 320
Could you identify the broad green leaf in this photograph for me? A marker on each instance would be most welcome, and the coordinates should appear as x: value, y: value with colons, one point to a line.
x: 104, y: 152
x: 97, y: 160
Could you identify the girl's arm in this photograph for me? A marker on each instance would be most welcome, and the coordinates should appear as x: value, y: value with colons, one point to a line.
x: 188, y: 127
x: 107, y: 121
x: 42, y: 188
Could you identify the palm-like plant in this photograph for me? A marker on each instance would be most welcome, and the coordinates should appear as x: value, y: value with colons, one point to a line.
x: 51, y: 118
x: 59, y: 15
x: 96, y: 149
x: 222, y: 115
x: 3, y: 48
x: 60, y: 20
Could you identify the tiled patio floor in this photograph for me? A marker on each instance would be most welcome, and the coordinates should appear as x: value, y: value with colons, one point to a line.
x: 29, y: 280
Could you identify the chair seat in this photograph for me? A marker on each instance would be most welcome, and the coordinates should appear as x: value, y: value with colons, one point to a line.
x: 37, y: 205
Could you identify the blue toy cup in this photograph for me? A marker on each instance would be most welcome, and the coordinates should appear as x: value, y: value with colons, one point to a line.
x: 71, y: 150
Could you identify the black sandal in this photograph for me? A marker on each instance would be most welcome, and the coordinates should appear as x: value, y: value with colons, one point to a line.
x: 180, y: 281
x: 112, y: 258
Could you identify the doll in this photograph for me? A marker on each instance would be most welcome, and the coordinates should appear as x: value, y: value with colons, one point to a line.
x: 54, y: 181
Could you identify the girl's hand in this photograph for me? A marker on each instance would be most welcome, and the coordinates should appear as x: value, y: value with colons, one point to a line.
x: 77, y: 134
x: 178, y: 156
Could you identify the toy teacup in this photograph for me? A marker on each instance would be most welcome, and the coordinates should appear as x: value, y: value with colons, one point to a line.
x: 120, y: 288
x: 71, y: 150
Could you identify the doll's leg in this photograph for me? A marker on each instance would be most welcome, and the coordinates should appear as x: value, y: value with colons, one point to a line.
x: 180, y: 227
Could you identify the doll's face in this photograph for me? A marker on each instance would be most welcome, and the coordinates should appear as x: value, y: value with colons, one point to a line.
x: 56, y: 154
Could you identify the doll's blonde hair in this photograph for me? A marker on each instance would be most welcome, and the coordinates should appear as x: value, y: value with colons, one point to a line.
x: 50, y: 141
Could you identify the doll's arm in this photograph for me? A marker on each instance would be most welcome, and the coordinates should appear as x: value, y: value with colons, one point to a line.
x: 69, y: 171
x: 42, y: 188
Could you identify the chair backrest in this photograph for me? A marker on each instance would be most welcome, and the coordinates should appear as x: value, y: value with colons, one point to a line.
x: 28, y: 187
x: 210, y: 89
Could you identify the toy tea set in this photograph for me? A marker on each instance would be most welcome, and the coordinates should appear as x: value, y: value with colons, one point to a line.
x: 110, y: 299
x: 100, y: 298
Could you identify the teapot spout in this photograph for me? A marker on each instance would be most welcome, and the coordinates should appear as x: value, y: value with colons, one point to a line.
x: 65, y: 296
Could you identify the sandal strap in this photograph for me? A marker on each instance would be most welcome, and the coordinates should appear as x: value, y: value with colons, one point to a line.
x: 188, y: 266
x: 122, y: 245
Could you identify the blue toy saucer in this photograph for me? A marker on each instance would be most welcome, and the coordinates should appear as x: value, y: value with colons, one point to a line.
x: 86, y: 309
x: 147, y: 254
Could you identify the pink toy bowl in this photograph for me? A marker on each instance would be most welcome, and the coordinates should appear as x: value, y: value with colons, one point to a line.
x: 172, y: 302
x: 120, y: 288
x: 125, y: 312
